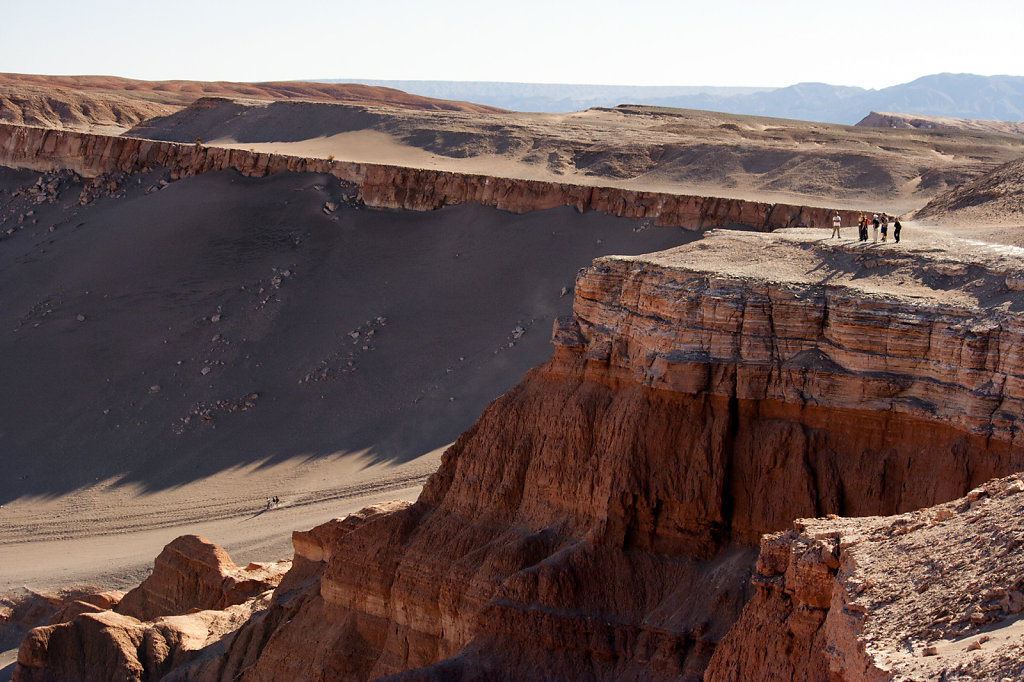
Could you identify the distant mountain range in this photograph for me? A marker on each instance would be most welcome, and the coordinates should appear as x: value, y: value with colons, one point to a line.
x: 994, y: 98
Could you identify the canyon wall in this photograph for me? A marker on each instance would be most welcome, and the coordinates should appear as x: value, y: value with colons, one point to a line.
x: 386, y: 186
x: 601, y: 519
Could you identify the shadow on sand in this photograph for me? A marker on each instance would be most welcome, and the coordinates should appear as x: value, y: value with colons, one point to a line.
x: 162, y: 337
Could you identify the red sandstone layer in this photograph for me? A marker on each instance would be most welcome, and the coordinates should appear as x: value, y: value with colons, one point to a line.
x: 396, y: 187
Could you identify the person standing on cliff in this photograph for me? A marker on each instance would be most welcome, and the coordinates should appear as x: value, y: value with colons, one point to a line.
x: 862, y: 228
x: 885, y: 227
x: 896, y: 227
x: 874, y: 228
x: 836, y: 224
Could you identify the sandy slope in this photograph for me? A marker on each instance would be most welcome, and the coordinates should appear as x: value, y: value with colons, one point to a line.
x: 993, y: 199
x: 135, y: 331
x: 675, y: 150
x: 177, y: 356
x: 109, y: 534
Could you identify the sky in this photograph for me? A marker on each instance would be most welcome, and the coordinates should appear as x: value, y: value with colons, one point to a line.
x: 764, y: 43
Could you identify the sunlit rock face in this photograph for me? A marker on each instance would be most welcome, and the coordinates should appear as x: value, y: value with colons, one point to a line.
x: 601, y: 519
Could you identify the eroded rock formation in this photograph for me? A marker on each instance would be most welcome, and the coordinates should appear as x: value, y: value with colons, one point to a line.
x: 192, y: 574
x: 932, y: 594
x: 107, y: 645
x: 393, y: 186
x: 185, y: 613
x: 599, y: 519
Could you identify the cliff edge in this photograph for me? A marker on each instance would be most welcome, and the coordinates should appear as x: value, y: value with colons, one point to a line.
x: 934, y: 594
x: 601, y: 520
x: 389, y: 186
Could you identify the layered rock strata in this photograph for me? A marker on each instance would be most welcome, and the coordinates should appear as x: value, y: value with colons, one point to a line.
x: 934, y: 594
x: 599, y: 519
x: 386, y: 186
x: 185, y: 613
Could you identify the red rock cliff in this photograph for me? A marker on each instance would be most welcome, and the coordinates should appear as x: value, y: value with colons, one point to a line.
x: 928, y: 595
x: 600, y: 519
x: 393, y: 186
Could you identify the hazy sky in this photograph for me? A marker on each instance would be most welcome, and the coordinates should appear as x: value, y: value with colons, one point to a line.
x: 868, y: 43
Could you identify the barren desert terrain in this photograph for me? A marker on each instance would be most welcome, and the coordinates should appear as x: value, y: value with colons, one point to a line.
x: 182, y: 349
x: 691, y: 152
x: 109, y: 104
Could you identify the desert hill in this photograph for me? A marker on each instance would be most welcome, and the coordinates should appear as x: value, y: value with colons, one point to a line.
x: 878, y: 119
x: 995, y: 198
x: 649, y: 148
x: 958, y: 95
x: 111, y: 104
x: 59, y: 108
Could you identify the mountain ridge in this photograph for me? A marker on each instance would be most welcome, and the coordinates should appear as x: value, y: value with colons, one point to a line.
x: 999, y: 97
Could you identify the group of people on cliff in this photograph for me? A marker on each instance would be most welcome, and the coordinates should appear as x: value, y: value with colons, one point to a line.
x: 876, y: 223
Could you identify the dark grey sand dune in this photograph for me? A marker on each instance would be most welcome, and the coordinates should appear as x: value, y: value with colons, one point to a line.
x: 172, y: 358
x: 252, y: 121
x: 224, y: 320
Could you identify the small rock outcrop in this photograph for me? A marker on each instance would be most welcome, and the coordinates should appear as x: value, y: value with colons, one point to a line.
x: 110, y: 646
x: 185, y: 612
x: 193, y: 574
